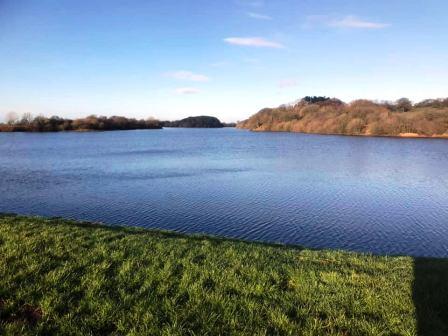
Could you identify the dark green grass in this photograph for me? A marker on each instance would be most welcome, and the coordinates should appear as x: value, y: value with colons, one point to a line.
x: 62, y: 277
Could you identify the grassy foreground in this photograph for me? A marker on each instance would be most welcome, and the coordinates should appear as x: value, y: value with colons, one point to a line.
x: 63, y: 277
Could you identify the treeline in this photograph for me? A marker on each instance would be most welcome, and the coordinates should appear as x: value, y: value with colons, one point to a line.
x: 325, y: 115
x: 28, y: 123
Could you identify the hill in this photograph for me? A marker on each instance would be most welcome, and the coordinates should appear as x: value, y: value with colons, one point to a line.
x: 323, y: 115
x: 195, y: 122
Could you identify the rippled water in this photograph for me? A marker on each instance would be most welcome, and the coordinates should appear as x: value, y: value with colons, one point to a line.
x: 366, y: 194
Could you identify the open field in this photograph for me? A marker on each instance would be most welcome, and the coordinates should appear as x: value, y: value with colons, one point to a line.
x: 65, y: 277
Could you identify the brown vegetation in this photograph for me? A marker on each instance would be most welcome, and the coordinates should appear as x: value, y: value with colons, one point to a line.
x: 428, y: 118
x: 92, y: 123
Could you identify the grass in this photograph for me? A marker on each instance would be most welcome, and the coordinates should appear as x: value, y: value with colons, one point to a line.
x: 70, y: 278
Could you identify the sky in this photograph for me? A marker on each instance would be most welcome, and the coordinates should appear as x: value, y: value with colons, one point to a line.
x: 172, y: 59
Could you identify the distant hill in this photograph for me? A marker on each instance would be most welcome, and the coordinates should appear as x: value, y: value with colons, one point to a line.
x: 195, y: 122
x: 324, y: 115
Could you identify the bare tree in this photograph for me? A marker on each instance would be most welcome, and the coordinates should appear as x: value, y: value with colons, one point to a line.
x: 27, y: 119
x: 403, y: 105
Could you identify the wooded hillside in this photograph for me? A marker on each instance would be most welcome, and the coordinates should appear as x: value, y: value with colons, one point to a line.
x: 360, y: 117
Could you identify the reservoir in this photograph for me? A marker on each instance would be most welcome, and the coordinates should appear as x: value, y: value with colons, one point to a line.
x: 378, y: 195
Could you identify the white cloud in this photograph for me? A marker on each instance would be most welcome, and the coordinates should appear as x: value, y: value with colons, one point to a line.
x: 357, y: 23
x: 187, y: 90
x: 259, y: 16
x: 347, y: 22
x: 287, y: 83
x: 188, y: 75
x: 258, y: 42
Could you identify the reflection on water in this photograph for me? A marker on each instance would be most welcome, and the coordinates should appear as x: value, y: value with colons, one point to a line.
x: 366, y: 194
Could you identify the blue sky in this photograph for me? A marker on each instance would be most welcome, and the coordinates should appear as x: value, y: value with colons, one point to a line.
x: 175, y: 58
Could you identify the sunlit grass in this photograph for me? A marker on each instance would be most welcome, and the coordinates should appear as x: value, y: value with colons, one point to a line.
x: 62, y: 277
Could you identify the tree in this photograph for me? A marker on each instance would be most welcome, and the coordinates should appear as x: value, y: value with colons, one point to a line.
x: 315, y: 99
x: 403, y: 105
x: 27, y: 119
x: 39, y: 124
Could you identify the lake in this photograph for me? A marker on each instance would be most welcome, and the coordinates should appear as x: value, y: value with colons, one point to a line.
x: 379, y: 195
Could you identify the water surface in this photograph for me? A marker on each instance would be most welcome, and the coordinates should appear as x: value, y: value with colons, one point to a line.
x: 380, y: 195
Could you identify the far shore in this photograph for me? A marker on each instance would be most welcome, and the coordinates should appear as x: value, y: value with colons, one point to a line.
x: 41, y: 124
x: 324, y: 115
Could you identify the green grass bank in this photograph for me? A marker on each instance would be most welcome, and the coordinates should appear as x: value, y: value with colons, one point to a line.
x: 64, y: 277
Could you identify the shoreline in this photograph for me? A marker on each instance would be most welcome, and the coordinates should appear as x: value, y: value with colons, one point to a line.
x: 400, y: 136
x: 199, y: 235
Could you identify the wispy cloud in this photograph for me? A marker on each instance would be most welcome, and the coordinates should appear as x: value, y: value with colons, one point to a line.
x: 351, y: 21
x: 188, y: 76
x: 346, y: 22
x: 259, y: 16
x: 187, y: 90
x: 287, y: 83
x: 258, y: 42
